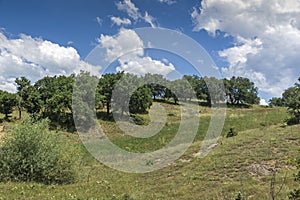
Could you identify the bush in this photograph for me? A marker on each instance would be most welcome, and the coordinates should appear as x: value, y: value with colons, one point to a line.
x: 239, y: 196
x: 232, y: 132
x: 294, y: 195
x: 30, y: 152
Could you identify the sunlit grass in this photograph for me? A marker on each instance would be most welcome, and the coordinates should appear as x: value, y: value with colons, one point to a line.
x: 239, y: 164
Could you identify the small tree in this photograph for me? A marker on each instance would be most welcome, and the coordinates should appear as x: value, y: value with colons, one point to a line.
x: 22, y: 84
x: 291, y: 97
x: 7, y: 103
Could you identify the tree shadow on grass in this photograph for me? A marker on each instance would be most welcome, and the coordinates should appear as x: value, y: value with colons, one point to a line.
x: 104, y: 116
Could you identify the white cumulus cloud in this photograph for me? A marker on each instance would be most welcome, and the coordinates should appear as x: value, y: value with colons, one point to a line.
x: 36, y: 58
x: 263, y: 102
x: 169, y: 2
x: 133, y: 12
x: 129, y: 49
x: 99, y: 21
x: 267, y: 36
x: 119, y: 21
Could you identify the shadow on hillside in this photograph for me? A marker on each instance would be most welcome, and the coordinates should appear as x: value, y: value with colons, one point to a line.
x: 65, y: 124
x: 229, y: 105
x: 293, y: 121
x: 103, y: 116
x: 165, y: 101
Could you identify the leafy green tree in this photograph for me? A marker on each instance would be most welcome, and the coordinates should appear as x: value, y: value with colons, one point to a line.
x: 85, y: 100
x: 131, y: 95
x: 56, y: 98
x: 22, y: 84
x: 156, y: 84
x: 32, y: 100
x: 214, y: 90
x: 106, y: 86
x: 7, y: 102
x: 140, y: 100
x: 276, y: 101
x: 182, y: 89
x: 291, y: 97
x: 28, y: 96
x: 241, y: 90
x: 198, y: 85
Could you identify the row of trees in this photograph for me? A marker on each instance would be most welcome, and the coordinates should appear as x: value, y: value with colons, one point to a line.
x: 51, y: 97
x: 290, y: 99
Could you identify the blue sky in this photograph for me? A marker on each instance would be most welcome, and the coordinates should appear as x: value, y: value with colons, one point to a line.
x: 259, y: 40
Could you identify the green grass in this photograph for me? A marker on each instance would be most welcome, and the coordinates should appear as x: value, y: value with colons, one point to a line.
x: 239, y: 164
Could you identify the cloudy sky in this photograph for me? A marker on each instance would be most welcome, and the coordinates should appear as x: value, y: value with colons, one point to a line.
x: 258, y: 39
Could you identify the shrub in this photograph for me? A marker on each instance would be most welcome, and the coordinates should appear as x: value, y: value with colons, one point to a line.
x: 232, y: 132
x: 30, y: 152
x: 294, y: 195
x: 239, y: 196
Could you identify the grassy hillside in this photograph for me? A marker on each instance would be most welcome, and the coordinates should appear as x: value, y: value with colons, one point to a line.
x: 245, y: 163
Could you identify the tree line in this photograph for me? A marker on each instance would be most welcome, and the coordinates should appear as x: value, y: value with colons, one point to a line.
x: 290, y: 99
x: 51, y: 97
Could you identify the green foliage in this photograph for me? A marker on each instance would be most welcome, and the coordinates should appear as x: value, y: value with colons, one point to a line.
x: 291, y: 97
x: 231, y: 133
x: 7, y: 103
x: 182, y: 89
x: 56, y: 99
x: 241, y: 90
x: 83, y: 101
x: 199, y: 86
x: 22, y: 84
x: 214, y: 90
x: 239, y: 196
x: 105, y: 87
x: 275, y: 101
x: 140, y: 100
x: 156, y: 84
x: 294, y: 195
x: 31, y: 152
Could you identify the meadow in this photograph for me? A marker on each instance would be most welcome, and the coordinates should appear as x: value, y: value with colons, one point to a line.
x: 257, y: 163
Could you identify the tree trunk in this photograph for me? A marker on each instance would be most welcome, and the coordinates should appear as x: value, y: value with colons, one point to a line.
x: 20, y: 112
x: 107, y: 108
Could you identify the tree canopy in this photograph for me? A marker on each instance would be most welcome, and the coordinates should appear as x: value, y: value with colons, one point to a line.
x: 291, y: 97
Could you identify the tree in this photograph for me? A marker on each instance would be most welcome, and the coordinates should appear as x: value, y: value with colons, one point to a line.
x: 156, y: 83
x: 32, y: 100
x: 182, y: 89
x: 84, y: 100
x: 106, y: 86
x: 214, y: 90
x: 276, y: 101
x: 22, y: 84
x: 241, y: 90
x: 141, y: 100
x: 56, y: 98
x: 7, y: 103
x: 199, y: 86
x: 291, y: 97
x: 131, y: 95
